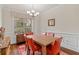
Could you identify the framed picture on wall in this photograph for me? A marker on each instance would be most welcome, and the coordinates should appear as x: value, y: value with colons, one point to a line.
x: 51, y: 22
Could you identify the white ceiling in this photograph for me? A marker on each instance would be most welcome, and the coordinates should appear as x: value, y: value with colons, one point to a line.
x: 25, y: 7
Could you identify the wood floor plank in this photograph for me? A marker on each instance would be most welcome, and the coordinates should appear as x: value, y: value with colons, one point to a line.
x: 69, y: 51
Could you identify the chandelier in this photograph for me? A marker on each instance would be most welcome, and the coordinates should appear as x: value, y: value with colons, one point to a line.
x: 32, y: 12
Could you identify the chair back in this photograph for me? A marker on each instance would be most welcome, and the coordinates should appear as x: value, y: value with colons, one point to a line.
x: 54, y: 49
x: 43, y: 33
x: 29, y: 33
x: 56, y: 46
x: 50, y: 34
x: 31, y: 45
x: 58, y: 36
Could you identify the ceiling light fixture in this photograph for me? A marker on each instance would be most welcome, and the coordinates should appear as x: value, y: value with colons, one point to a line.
x: 32, y: 12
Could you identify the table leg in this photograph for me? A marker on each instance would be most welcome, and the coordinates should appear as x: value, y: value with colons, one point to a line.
x: 44, y: 50
x: 0, y: 51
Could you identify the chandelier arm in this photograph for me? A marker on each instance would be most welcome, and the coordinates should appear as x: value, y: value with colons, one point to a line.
x: 32, y: 12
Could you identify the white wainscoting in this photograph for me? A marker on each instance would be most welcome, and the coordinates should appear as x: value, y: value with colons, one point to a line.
x: 70, y: 40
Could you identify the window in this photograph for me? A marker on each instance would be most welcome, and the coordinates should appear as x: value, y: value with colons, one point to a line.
x: 22, y: 25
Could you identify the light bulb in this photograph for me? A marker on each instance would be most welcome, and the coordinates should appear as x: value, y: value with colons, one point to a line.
x: 37, y: 13
x: 28, y: 12
x: 33, y: 11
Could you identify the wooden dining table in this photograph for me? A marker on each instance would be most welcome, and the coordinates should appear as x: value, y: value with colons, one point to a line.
x: 43, y: 41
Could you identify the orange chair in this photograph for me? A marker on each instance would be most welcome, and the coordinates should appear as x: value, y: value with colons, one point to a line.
x: 50, y: 34
x: 54, y: 49
x: 44, y: 33
x: 29, y: 33
x: 33, y: 47
x: 27, y: 41
x: 25, y: 36
x: 58, y: 36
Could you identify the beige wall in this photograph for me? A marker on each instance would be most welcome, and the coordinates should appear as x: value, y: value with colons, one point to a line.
x: 8, y: 24
x: 66, y: 19
x: 36, y: 25
x: 0, y: 15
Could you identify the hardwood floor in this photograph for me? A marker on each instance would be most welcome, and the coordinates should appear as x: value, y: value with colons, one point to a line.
x: 13, y: 50
x: 5, y: 51
x: 70, y: 52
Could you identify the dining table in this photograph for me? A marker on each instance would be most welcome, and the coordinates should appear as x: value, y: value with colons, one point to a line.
x: 43, y: 41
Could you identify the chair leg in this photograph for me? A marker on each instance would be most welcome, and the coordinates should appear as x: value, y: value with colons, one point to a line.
x: 37, y: 52
x: 28, y: 51
x: 33, y: 53
x: 58, y: 53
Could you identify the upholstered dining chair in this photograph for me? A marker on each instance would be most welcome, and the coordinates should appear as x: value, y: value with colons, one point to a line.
x: 55, y: 49
x: 31, y: 46
x: 26, y: 36
x: 50, y: 34
x: 58, y: 36
x: 44, y: 33
x: 29, y: 33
